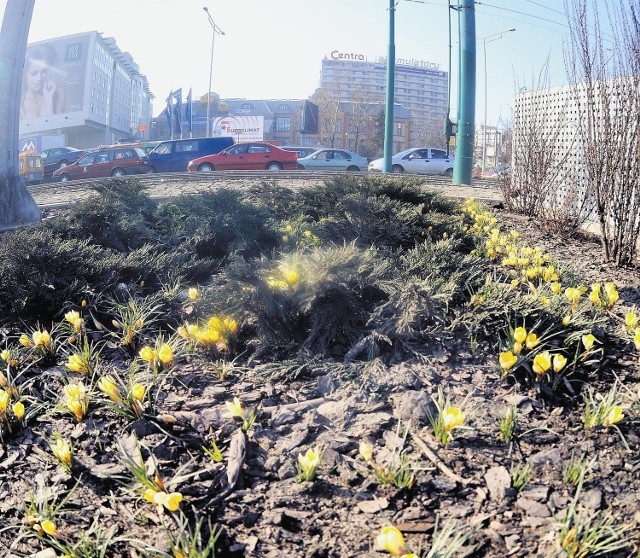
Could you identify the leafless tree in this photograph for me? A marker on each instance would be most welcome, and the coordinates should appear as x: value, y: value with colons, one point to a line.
x: 328, y: 101
x: 360, y: 117
x: 542, y: 184
x: 604, y: 71
x: 427, y: 131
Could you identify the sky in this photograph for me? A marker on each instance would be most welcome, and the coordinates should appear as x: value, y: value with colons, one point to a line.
x: 273, y: 49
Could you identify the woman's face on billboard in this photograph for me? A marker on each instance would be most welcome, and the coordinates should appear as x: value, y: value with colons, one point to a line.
x: 37, y: 75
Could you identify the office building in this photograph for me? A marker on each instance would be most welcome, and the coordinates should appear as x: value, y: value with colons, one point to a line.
x: 84, y: 88
x: 419, y: 86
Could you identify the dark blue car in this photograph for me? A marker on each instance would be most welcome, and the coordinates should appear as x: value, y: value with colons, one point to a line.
x: 174, y: 155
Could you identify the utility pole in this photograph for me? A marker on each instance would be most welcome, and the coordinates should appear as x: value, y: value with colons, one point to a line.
x: 465, y: 129
x: 17, y: 206
x: 391, y: 66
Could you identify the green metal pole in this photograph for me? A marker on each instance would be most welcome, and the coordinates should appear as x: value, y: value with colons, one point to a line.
x: 391, y: 66
x: 465, y: 131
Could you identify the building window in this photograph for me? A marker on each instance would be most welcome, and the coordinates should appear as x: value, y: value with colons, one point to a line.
x: 247, y: 106
x: 284, y: 108
x: 282, y: 124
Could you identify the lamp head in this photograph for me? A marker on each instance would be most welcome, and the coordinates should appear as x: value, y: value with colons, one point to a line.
x: 206, y: 9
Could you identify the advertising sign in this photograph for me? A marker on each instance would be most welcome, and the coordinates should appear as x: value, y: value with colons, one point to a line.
x: 53, y: 78
x: 240, y: 128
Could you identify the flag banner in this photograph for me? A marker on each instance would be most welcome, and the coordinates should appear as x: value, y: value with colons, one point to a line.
x: 168, y: 114
x: 177, y: 95
x: 188, y: 112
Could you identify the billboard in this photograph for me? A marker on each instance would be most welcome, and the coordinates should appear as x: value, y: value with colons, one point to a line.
x: 240, y: 128
x: 310, y: 118
x: 53, y: 78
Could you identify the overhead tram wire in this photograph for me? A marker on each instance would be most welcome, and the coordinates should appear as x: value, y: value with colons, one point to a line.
x: 546, y: 7
x: 509, y: 18
x: 520, y: 13
x: 611, y: 38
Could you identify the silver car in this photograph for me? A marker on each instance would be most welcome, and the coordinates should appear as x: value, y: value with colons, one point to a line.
x: 333, y: 160
x: 421, y: 160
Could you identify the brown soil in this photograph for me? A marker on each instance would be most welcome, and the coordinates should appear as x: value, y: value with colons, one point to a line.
x: 268, y: 514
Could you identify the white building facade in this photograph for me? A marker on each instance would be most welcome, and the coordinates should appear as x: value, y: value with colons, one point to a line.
x: 100, y: 95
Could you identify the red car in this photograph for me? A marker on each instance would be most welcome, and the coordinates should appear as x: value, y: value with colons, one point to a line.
x: 254, y: 155
x: 111, y: 160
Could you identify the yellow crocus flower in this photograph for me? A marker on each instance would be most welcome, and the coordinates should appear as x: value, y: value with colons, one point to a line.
x: 520, y: 334
x: 170, y: 501
x: 566, y: 320
x: 62, y: 450
x: 573, y: 295
x: 636, y: 339
x: 150, y: 494
x: 18, y: 410
x: 5, y: 355
x: 507, y: 360
x: 452, y: 417
x: 235, y: 409
x: 77, y: 408
x: 25, y: 341
x: 559, y: 362
x: 193, y: 293
x: 165, y: 354
x: 630, y: 321
x: 41, y: 338
x: 612, y: 294
x: 109, y: 387
x: 72, y: 317
x: 532, y: 341
x: 138, y: 391
x: 391, y: 539
x: 594, y: 296
x: 291, y: 276
x: 366, y: 451
x: 555, y: 287
x: 4, y: 401
x: 75, y: 391
x: 614, y: 415
x: 309, y: 461
x: 49, y: 527
x: 587, y: 341
x: 542, y: 362
x: 517, y: 348
x: 75, y: 363
x: 147, y: 354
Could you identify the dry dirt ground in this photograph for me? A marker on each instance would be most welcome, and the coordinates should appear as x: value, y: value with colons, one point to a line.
x: 268, y: 514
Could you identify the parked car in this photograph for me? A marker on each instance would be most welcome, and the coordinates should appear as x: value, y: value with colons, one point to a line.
x: 109, y: 160
x: 174, y: 155
x: 30, y: 167
x: 301, y: 150
x: 422, y: 160
x: 333, y: 160
x: 55, y: 158
x: 255, y: 155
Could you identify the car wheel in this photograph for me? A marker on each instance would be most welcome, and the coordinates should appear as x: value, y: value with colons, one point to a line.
x: 449, y: 172
x: 206, y: 167
x: 352, y: 168
x: 118, y: 172
x: 397, y: 169
x: 62, y: 164
x: 300, y: 167
x: 65, y: 177
x: 274, y: 167
x: 151, y: 170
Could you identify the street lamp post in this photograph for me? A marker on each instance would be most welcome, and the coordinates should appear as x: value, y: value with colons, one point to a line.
x: 494, y: 37
x: 214, y: 29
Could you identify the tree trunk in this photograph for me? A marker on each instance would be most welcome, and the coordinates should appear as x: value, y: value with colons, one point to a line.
x: 17, y: 206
